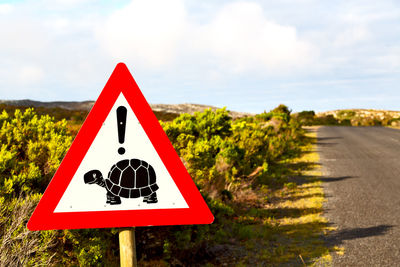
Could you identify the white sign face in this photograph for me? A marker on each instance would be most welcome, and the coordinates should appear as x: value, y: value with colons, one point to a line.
x: 132, y: 184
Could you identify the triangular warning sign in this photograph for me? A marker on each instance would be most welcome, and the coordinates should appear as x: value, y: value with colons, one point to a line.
x: 121, y: 170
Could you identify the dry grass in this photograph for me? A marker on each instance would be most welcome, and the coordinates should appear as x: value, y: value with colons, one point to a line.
x: 18, y: 245
x: 286, y: 226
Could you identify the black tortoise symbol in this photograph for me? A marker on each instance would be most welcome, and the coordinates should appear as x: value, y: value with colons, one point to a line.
x: 129, y: 179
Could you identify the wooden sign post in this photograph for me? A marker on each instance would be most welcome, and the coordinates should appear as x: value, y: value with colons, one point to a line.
x: 127, y: 247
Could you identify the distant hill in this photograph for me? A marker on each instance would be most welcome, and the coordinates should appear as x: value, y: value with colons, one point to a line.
x: 350, y: 117
x: 87, y: 105
x: 191, y: 108
x: 361, y: 113
x: 358, y: 117
x: 69, y: 105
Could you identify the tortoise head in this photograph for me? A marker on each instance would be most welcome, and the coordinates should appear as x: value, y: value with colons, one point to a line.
x: 92, y: 177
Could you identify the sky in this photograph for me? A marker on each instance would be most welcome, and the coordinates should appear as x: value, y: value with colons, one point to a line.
x: 249, y: 56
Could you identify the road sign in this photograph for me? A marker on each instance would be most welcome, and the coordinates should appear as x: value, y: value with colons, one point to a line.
x: 121, y: 170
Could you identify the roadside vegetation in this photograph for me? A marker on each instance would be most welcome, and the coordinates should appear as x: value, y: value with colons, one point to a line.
x: 258, y: 174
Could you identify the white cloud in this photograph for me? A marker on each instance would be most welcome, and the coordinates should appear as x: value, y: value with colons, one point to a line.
x: 30, y: 74
x: 59, y: 24
x: 22, y: 38
x: 146, y: 32
x: 239, y: 38
x: 6, y: 9
x: 243, y: 39
x: 353, y: 28
x: 70, y: 2
x: 352, y: 35
x: 62, y: 4
x: 389, y: 61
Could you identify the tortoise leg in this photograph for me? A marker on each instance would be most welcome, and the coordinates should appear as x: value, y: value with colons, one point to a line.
x: 114, y: 200
x: 108, y: 197
x: 145, y: 199
x: 152, y: 198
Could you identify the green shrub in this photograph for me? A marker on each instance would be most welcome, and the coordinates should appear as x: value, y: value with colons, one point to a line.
x: 306, y: 117
x: 31, y: 150
x: 219, y: 152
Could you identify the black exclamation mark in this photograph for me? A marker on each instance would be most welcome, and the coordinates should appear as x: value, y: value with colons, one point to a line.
x: 121, y: 120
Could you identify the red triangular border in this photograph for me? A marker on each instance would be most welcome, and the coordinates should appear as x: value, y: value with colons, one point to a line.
x: 44, y: 218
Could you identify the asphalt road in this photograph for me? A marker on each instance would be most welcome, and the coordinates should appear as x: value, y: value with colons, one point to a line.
x: 361, y: 169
